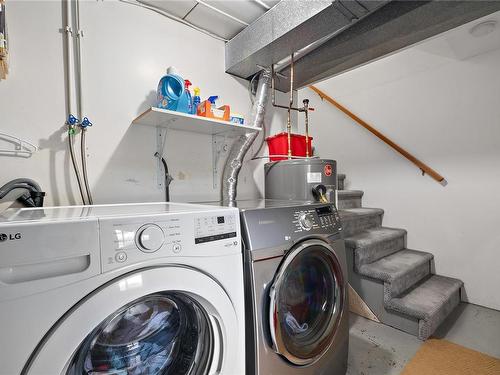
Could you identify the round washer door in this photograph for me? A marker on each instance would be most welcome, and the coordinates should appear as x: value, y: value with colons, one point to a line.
x: 165, y: 320
x: 306, y: 302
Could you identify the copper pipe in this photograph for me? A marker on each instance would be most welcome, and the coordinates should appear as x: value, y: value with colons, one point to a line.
x: 289, y: 124
x: 306, y: 111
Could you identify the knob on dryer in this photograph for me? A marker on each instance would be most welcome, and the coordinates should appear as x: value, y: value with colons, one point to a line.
x: 150, y: 238
x: 305, y: 222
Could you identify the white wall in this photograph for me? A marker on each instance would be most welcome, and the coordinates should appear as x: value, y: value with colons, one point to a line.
x: 441, y: 101
x: 125, y: 52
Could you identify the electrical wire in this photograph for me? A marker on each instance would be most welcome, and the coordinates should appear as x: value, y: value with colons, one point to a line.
x: 168, y: 178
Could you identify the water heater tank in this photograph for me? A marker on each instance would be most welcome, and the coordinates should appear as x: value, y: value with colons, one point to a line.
x: 301, y: 179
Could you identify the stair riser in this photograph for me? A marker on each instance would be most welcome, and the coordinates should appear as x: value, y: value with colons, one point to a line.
x: 402, y: 284
x: 354, y: 202
x: 355, y: 225
x: 426, y: 328
x: 370, y: 254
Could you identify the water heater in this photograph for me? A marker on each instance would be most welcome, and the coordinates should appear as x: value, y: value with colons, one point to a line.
x: 302, y: 179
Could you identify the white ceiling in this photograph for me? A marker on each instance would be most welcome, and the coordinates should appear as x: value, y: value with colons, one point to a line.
x: 224, y: 18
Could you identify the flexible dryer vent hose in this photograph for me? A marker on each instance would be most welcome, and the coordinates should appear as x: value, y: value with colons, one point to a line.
x: 241, y: 146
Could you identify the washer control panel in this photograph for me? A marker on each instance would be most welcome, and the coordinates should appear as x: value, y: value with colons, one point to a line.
x: 214, y: 228
x: 126, y: 241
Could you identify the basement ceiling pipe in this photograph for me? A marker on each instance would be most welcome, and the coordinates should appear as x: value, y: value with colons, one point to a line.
x: 241, y: 146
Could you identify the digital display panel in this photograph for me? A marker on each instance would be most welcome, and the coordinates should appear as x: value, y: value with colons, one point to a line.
x: 326, y: 210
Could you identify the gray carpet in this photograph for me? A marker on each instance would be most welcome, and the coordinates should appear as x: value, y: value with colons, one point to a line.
x: 380, y: 253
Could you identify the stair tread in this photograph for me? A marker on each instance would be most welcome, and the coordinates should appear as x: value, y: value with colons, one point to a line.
x: 426, y: 298
x: 354, y: 213
x: 395, y: 265
x: 372, y: 235
x: 349, y: 194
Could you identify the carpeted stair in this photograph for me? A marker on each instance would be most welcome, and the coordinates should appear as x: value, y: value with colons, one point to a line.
x: 396, y: 283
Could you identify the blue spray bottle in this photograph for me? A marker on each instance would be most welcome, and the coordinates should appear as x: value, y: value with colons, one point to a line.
x: 196, y: 100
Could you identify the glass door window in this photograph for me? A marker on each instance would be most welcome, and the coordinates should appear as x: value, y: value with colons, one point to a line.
x: 161, y: 333
x: 306, y: 301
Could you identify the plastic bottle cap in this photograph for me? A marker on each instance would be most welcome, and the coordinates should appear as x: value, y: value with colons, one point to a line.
x: 187, y: 83
x: 196, y: 91
x: 212, y: 99
x: 172, y: 70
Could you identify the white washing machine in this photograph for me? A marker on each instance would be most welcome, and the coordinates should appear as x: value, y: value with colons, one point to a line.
x: 121, y: 289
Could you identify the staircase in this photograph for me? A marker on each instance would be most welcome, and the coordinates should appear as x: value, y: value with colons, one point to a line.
x: 396, y: 283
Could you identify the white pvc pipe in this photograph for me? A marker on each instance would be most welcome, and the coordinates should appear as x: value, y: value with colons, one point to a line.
x: 78, y: 71
x: 67, y: 56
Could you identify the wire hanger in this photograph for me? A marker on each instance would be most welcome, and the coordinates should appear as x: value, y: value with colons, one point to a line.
x: 21, y: 147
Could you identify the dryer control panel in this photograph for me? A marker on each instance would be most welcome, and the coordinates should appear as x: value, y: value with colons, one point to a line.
x: 277, y: 226
x: 324, y: 217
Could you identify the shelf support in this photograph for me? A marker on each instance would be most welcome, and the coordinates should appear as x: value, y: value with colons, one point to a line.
x: 220, y: 149
x: 161, y: 138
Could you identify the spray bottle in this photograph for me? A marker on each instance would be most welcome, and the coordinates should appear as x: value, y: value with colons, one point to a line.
x: 212, y: 100
x: 196, y: 100
x: 186, y: 100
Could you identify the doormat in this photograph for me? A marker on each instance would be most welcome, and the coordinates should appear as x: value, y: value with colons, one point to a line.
x: 441, y: 357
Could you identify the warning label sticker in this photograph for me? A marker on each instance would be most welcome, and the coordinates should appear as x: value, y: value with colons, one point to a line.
x: 313, y: 177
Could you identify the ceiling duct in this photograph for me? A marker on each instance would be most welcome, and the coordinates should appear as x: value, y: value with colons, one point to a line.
x: 329, y: 38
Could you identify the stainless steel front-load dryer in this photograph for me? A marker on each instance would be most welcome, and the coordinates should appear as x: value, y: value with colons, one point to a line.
x: 296, y: 280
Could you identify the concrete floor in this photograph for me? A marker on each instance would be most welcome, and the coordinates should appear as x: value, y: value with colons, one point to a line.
x: 376, y: 349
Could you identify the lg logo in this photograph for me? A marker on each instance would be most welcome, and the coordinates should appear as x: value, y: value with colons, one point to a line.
x: 10, y: 237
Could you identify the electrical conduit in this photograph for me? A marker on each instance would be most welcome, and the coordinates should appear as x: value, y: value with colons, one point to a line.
x: 78, y: 70
x: 71, y: 121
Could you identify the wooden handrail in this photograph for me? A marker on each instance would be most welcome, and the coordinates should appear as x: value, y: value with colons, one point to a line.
x: 421, y: 165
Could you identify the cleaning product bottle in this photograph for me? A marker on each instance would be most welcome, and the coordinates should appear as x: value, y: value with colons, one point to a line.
x: 186, y: 100
x: 196, y: 100
x: 212, y: 100
x: 170, y: 90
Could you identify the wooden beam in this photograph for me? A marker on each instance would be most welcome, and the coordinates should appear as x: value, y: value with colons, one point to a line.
x: 421, y: 165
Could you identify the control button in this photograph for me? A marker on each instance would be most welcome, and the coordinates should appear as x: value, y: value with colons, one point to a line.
x: 150, y: 238
x: 177, y: 247
x: 121, y: 257
x: 305, y: 222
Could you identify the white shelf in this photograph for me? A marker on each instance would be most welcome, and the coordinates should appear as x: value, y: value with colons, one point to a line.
x: 181, y: 121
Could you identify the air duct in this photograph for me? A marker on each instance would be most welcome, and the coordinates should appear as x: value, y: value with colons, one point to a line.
x: 242, y: 144
x: 329, y: 37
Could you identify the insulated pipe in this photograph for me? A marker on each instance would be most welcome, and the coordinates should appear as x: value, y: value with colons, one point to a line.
x: 242, y: 144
